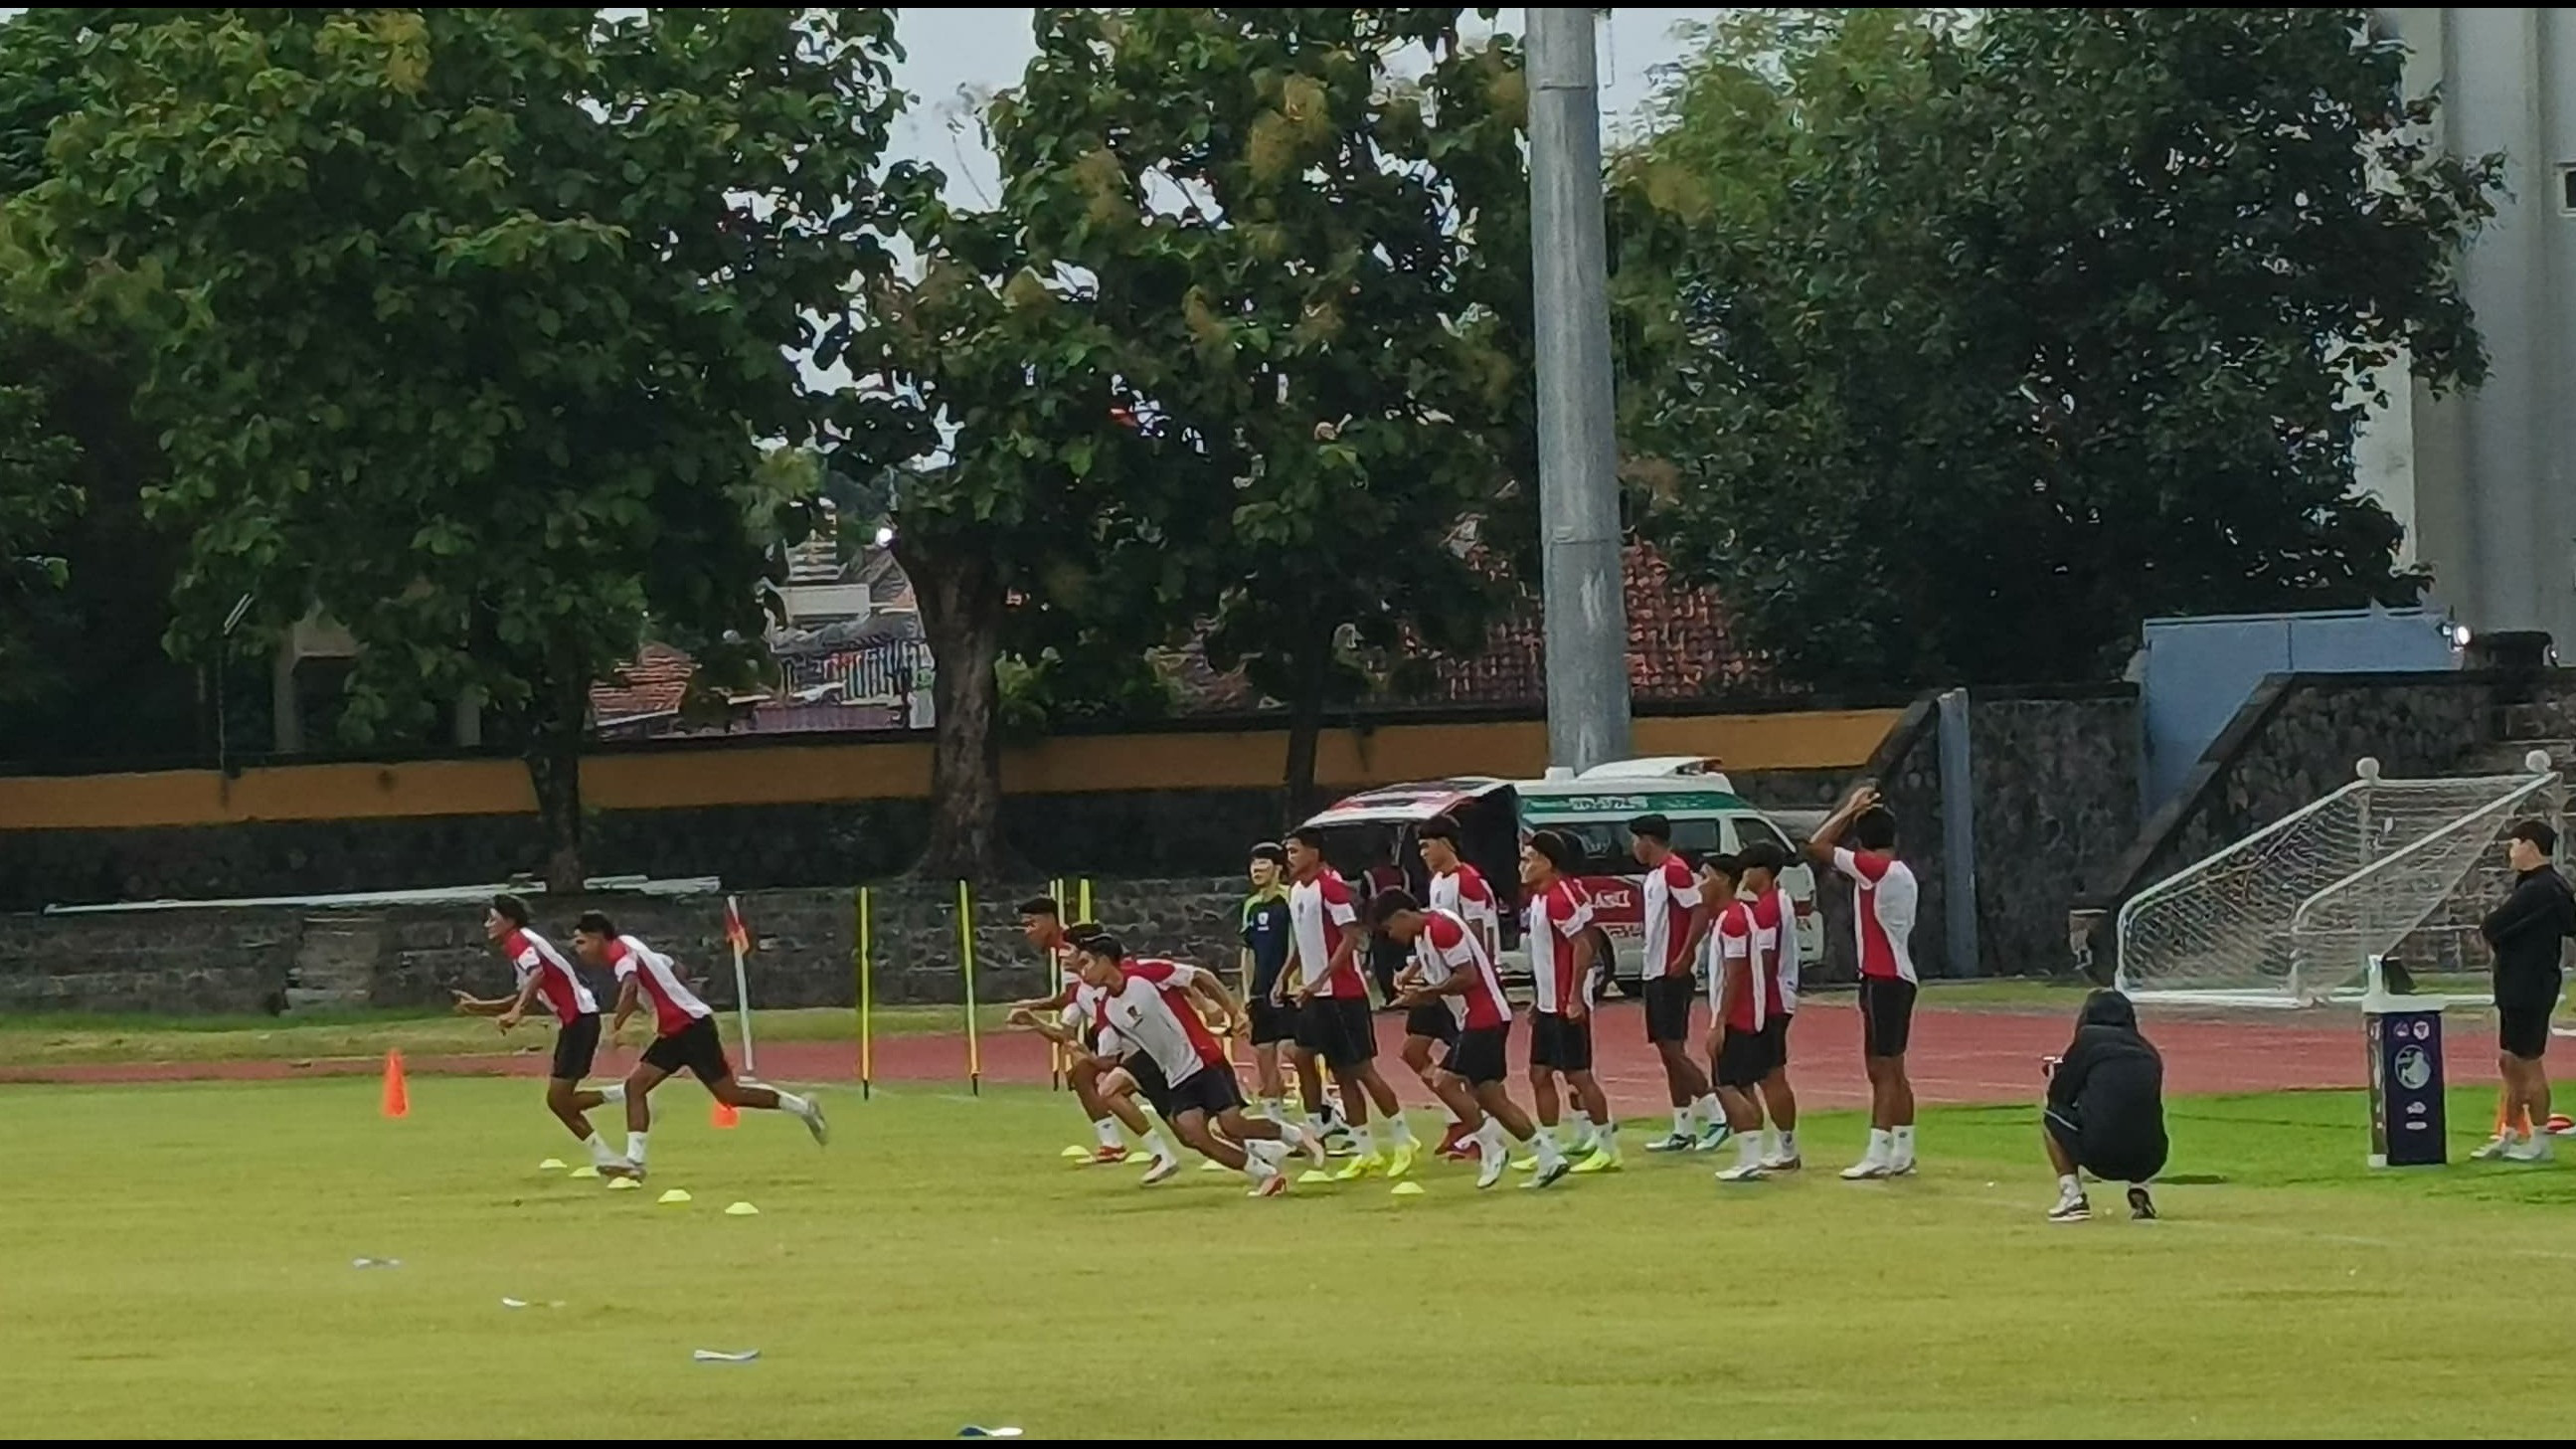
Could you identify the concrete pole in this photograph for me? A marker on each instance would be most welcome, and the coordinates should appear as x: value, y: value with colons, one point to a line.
x: 1578, y: 484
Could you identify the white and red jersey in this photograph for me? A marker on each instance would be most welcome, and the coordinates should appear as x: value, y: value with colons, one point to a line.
x: 558, y: 985
x: 1672, y: 894
x: 1150, y: 1009
x: 1082, y: 1014
x: 1320, y: 916
x: 1775, y: 933
x: 1448, y: 947
x: 1740, y: 936
x: 1464, y: 894
x: 674, y: 1004
x: 1884, y: 895
x: 1556, y: 916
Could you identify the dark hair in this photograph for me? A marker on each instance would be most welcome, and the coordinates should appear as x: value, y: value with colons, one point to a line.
x: 1875, y: 829
x: 1556, y: 850
x: 1270, y: 851
x: 1386, y: 903
x: 511, y: 909
x: 1041, y: 906
x: 596, y: 923
x: 1688, y: 858
x: 1724, y: 864
x: 1762, y: 855
x: 1081, y: 931
x: 1309, y: 837
x: 2538, y: 832
x: 1438, y: 827
x: 1652, y: 827
x: 1101, y: 943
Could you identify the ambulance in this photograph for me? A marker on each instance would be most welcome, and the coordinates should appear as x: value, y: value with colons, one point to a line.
x: 1373, y: 835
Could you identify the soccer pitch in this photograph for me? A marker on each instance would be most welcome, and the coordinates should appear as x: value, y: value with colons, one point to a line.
x: 177, y: 1260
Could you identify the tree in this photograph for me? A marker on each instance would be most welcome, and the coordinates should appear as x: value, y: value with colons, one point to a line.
x: 472, y: 328
x: 1346, y: 252
x: 1961, y: 345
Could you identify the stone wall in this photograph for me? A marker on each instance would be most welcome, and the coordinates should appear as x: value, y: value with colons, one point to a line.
x: 252, y: 960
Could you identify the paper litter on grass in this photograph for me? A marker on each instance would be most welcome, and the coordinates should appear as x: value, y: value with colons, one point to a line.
x: 514, y: 1303
x: 375, y: 1262
x: 710, y: 1355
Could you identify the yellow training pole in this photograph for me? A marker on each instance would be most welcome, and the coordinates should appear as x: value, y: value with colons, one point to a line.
x: 1055, y: 984
x: 966, y: 952
x: 867, y: 1037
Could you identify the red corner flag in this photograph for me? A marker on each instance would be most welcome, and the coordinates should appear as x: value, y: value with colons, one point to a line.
x: 734, y: 931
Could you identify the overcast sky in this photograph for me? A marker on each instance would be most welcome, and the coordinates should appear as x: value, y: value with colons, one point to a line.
x: 949, y: 52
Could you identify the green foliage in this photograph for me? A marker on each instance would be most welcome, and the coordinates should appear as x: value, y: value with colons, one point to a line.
x: 1315, y: 271
x: 1958, y: 346
x: 37, y: 497
x: 471, y: 328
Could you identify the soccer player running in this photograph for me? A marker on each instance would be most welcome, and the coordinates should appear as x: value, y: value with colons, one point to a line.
x: 684, y: 1037
x: 1459, y: 889
x: 1747, y: 1033
x: 1148, y: 1004
x: 1455, y: 973
x: 1561, y: 964
x: 1333, y: 1010
x: 546, y: 977
x: 1884, y: 894
x: 1677, y: 920
x: 1078, y: 1011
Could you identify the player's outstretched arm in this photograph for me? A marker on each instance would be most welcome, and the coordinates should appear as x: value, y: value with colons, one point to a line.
x: 478, y: 1006
x: 517, y: 1009
x: 1820, y: 846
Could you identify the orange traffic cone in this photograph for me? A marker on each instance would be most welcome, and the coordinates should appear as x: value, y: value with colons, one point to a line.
x: 723, y: 1116
x: 397, y: 1096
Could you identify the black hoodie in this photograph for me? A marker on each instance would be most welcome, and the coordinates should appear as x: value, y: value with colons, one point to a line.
x: 2525, y: 932
x: 2113, y: 1081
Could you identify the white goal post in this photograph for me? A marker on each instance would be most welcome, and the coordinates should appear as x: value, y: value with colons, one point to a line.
x: 2292, y: 914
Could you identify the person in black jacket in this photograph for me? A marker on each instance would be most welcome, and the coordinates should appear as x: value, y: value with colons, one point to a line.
x: 2525, y: 933
x: 2106, y: 1109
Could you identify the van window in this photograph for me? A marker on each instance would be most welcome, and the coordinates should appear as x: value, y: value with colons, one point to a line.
x: 1607, y: 846
x: 1750, y: 828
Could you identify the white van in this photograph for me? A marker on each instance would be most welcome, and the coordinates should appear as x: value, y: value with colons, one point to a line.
x: 1375, y: 830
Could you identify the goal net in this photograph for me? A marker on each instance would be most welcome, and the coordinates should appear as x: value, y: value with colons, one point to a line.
x: 2292, y: 914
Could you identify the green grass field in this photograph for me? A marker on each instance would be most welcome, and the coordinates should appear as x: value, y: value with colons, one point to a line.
x: 177, y: 1261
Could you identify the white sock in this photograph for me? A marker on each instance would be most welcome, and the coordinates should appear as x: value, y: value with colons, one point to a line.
x: 1748, y: 1149
x: 1711, y: 1111
x: 1770, y: 1144
x: 1584, y: 1131
x: 1901, y: 1142
x: 1365, y: 1137
x: 612, y: 1094
x: 794, y: 1105
x: 1549, y: 1154
x: 1681, y: 1121
x: 1879, y: 1145
x: 1271, y: 1109
x: 2068, y: 1187
x: 1106, y: 1129
x: 1257, y: 1171
x: 600, y: 1156
x: 1155, y: 1144
x: 1788, y: 1143
x: 1266, y: 1150
x: 1398, y: 1133
x: 1489, y: 1139
x: 635, y: 1148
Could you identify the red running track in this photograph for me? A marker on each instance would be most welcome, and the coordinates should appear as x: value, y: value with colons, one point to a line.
x: 1957, y: 1057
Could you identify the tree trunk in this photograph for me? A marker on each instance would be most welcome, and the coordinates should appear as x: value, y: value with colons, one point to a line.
x: 558, y: 719
x: 1314, y: 665
x: 961, y: 617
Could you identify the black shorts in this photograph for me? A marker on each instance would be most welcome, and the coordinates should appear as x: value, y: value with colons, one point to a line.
x: 1744, y: 1058
x: 1338, y: 1029
x: 1886, y: 1015
x: 2522, y: 1028
x: 1668, y: 1008
x: 1271, y: 1024
x: 576, y: 1047
x: 696, y: 1047
x: 1435, y: 1021
x: 1212, y: 1090
x: 1560, y: 1043
x: 1148, y: 1078
x: 2111, y: 1161
x: 1481, y: 1055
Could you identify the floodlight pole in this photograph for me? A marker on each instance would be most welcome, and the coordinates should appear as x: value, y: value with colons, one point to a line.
x: 1585, y: 607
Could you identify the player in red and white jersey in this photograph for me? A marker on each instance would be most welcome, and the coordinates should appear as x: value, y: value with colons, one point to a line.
x: 1455, y: 973
x: 1459, y: 889
x: 1746, y: 1037
x: 1561, y: 965
x: 1884, y: 897
x: 1775, y: 941
x: 684, y: 1036
x: 1042, y: 924
x: 546, y: 977
x: 1333, y: 1008
x: 1676, y: 922
x: 1181, y: 1065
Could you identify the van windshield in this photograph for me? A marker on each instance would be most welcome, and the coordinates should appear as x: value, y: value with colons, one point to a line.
x: 1606, y: 843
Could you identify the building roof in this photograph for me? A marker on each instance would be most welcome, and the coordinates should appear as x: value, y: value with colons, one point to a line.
x: 649, y: 687
x: 1678, y: 645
